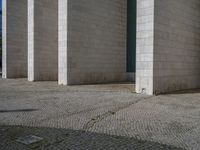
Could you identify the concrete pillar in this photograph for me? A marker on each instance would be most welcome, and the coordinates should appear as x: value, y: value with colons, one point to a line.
x: 92, y: 41
x: 62, y: 41
x: 145, y: 46
x: 42, y: 40
x: 168, y: 49
x: 14, y: 39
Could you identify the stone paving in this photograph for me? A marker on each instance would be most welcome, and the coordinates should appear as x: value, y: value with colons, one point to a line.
x: 98, y: 116
x: 54, y: 139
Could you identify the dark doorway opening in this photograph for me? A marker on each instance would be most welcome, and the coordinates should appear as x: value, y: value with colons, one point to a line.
x: 131, y: 35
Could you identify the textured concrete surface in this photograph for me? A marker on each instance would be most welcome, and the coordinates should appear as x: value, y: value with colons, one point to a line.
x: 14, y: 38
x: 43, y: 40
x: 145, y: 48
x: 92, y: 41
x: 111, y: 110
x: 168, y: 38
x: 176, y: 45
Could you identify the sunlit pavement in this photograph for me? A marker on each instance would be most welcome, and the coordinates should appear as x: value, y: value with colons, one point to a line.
x: 108, y: 116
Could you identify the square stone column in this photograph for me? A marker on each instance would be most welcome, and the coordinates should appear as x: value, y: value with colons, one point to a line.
x: 92, y: 41
x: 42, y: 40
x: 145, y: 46
x: 14, y: 40
x: 168, y: 49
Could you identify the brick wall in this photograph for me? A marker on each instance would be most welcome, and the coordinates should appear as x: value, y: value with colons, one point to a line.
x: 176, y: 45
x: 43, y: 40
x: 14, y: 39
x: 93, y: 49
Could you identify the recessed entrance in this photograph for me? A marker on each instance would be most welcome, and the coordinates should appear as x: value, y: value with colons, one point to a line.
x: 131, y: 39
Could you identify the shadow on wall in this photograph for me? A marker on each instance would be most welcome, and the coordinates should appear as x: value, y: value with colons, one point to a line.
x: 53, y: 138
x: 190, y: 91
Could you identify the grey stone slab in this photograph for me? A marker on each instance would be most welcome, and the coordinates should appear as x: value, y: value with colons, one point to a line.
x: 30, y: 139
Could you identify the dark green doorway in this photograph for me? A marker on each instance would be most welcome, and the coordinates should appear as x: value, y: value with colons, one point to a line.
x: 131, y: 35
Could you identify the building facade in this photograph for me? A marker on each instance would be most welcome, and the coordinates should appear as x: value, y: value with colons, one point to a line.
x: 154, y: 42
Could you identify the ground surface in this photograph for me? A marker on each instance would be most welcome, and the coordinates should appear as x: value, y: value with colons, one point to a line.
x: 96, y: 117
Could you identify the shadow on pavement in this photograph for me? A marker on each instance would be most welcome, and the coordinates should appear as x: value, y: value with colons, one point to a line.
x: 18, y: 110
x: 71, y: 139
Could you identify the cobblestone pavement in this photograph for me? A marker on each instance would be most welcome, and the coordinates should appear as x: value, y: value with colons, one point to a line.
x: 73, y: 140
x: 105, y: 116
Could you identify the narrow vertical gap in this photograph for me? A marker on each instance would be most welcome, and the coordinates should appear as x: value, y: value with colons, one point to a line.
x: 131, y: 35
